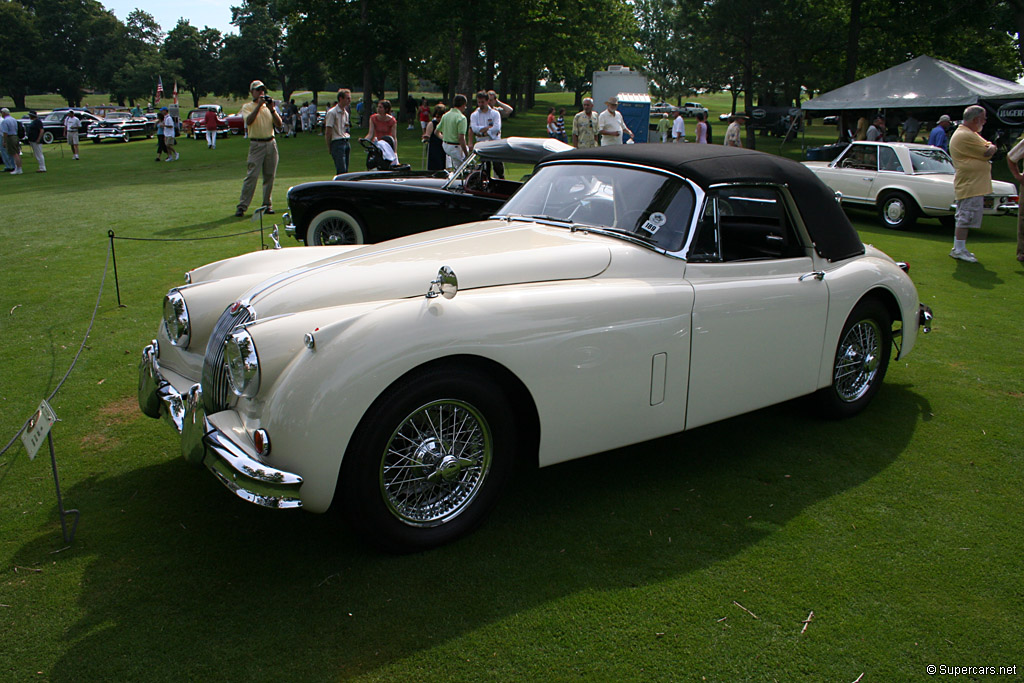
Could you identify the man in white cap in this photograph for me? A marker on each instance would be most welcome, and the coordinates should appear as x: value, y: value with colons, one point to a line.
x: 938, y: 137
x: 261, y: 118
x: 611, y: 124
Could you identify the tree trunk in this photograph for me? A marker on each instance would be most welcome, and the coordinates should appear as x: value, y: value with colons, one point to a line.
x: 403, y: 89
x: 467, y: 52
x: 852, y: 41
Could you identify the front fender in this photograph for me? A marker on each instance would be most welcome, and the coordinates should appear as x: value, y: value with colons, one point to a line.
x: 593, y: 355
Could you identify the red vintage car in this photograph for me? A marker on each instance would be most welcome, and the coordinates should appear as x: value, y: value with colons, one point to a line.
x: 195, y: 125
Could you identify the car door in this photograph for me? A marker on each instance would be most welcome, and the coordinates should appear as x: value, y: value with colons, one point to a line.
x: 854, y: 173
x: 759, y: 310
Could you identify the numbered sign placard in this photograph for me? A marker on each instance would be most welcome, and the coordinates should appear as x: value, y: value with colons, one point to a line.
x: 38, y: 427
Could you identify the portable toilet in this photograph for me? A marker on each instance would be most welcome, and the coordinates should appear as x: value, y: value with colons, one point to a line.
x: 636, y: 112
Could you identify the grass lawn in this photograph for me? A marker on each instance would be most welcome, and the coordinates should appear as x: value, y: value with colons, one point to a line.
x: 901, y: 529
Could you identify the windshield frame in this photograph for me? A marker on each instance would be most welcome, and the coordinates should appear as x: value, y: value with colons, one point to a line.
x: 698, y: 202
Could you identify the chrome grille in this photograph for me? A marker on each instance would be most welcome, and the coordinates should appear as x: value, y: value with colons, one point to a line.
x: 216, y: 392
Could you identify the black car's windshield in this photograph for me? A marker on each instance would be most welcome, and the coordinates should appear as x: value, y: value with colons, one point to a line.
x: 655, y: 208
x: 931, y: 161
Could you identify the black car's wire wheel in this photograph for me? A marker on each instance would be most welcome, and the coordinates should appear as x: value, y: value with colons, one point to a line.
x: 333, y: 227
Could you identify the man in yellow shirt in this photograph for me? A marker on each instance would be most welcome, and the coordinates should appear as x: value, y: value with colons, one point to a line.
x: 973, y: 179
x: 261, y: 118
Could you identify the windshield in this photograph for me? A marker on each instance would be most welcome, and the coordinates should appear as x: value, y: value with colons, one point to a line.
x: 931, y: 161
x: 653, y: 207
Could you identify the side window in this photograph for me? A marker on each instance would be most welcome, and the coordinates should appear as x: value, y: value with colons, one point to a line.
x: 888, y: 161
x: 861, y: 157
x: 744, y: 223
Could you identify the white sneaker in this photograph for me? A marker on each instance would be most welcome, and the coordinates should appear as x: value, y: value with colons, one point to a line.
x: 17, y: 171
x: 168, y: 159
x: 963, y: 255
x: 175, y: 156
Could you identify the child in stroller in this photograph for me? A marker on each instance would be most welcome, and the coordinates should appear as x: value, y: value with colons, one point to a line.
x: 382, y: 155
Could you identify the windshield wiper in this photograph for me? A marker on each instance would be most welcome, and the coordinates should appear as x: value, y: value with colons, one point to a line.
x: 539, y: 217
x: 629, y: 234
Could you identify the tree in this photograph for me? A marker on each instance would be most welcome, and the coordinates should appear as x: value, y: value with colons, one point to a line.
x: 197, y: 53
x: 19, y: 50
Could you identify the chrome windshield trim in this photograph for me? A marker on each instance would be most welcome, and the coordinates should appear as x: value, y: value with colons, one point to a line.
x: 698, y: 197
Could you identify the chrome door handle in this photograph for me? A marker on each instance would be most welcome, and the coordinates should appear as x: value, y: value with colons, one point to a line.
x: 817, y: 275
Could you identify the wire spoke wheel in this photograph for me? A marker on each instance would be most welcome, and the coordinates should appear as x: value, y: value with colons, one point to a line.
x: 858, y: 360
x: 436, y: 462
x: 334, y: 227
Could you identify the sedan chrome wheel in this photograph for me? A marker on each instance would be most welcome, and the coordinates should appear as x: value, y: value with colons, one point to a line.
x: 897, y: 211
x: 858, y: 360
x: 436, y: 463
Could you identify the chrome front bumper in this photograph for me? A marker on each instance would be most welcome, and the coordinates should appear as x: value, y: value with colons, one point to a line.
x: 289, y: 227
x: 235, y: 465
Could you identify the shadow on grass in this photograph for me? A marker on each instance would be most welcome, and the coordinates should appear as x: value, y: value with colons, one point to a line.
x: 186, y: 582
x: 976, y: 275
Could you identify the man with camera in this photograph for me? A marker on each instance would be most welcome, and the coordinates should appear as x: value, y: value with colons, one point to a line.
x: 261, y: 118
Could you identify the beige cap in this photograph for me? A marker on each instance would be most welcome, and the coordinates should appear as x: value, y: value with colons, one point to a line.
x: 255, y: 85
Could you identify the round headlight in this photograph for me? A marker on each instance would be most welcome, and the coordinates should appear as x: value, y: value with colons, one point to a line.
x: 242, y: 363
x: 176, y: 323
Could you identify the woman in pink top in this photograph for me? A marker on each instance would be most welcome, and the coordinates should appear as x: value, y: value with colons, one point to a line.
x: 383, y: 123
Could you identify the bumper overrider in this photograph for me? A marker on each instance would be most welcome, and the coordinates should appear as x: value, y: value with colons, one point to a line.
x: 235, y: 465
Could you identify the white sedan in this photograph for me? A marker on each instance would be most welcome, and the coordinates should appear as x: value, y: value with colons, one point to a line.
x: 903, y: 181
x: 623, y: 294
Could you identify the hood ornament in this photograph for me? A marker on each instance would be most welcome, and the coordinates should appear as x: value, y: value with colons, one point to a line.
x: 446, y: 284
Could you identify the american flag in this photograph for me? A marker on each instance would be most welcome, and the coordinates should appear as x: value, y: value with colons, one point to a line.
x: 159, y: 89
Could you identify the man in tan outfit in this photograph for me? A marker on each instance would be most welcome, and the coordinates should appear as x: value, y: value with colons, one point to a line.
x: 261, y: 118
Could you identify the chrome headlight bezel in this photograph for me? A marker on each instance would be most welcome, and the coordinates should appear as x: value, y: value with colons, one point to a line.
x: 242, y: 363
x: 176, y: 322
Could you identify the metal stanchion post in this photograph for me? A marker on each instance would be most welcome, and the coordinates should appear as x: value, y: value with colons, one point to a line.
x: 113, y: 257
x: 68, y: 538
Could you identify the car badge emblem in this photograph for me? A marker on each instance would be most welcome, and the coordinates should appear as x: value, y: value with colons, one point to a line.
x: 235, y: 308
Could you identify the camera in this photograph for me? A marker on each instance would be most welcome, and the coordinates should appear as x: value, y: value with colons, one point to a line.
x: 268, y: 99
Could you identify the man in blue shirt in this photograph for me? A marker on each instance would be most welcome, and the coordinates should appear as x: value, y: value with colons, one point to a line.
x: 938, y: 137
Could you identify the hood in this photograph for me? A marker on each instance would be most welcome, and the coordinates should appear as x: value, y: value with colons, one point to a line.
x: 485, y: 254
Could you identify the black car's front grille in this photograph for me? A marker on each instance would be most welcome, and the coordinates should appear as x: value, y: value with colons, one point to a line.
x: 216, y: 391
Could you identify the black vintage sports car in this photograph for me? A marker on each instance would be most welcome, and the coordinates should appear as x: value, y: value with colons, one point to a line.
x: 53, y: 124
x: 121, y: 125
x: 373, y: 206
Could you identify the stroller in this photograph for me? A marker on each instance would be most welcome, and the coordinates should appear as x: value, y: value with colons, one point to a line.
x: 378, y: 158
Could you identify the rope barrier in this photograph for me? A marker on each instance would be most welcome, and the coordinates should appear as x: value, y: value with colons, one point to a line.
x: 180, y: 239
x: 111, y: 256
x: 74, y: 362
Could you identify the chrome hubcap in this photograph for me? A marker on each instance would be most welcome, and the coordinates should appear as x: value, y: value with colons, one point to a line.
x: 336, y: 231
x: 895, y: 211
x: 858, y: 359
x: 435, y: 463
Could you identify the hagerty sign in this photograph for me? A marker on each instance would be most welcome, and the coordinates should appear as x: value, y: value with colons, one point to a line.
x: 1011, y: 113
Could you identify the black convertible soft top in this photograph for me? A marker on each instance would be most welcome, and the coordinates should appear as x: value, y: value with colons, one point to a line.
x: 833, y: 235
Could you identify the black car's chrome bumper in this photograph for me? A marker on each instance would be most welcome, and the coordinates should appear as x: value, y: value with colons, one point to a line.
x: 289, y: 226
x: 235, y: 465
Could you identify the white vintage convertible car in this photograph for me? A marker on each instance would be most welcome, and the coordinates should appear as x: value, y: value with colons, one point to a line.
x: 622, y: 294
x: 903, y: 181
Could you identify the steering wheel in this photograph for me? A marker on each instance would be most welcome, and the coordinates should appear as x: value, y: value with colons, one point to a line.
x: 476, y: 181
